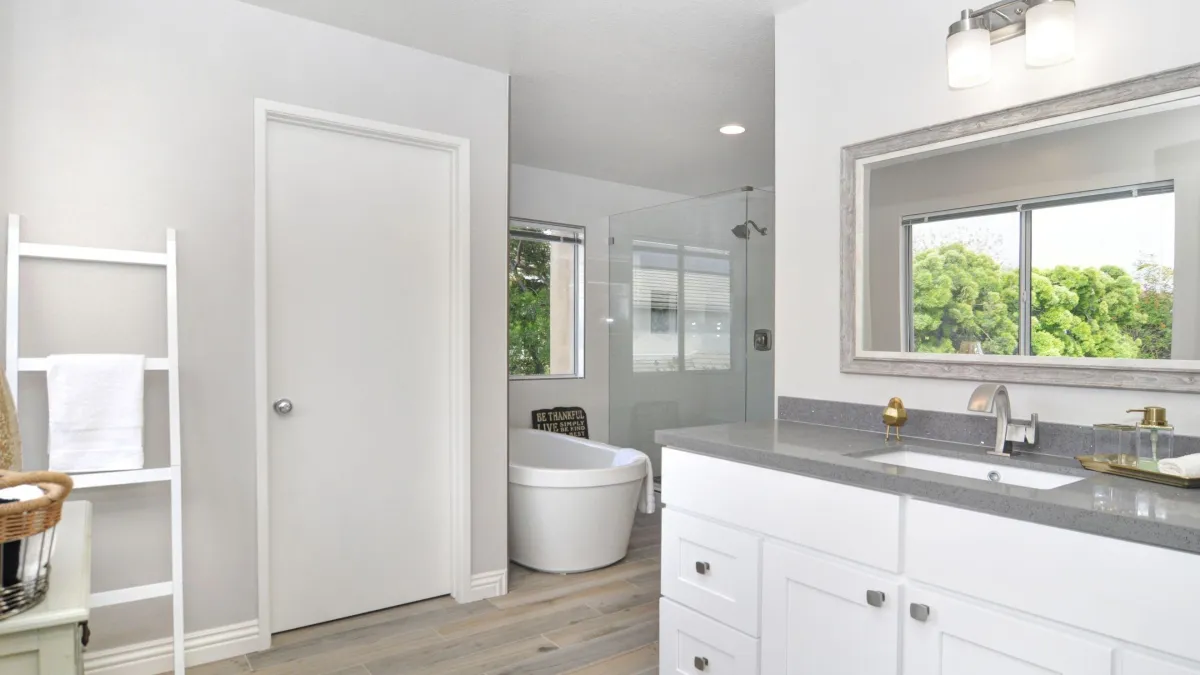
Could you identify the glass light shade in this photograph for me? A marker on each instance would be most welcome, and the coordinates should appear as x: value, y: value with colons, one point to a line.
x: 1050, y: 34
x: 969, y: 58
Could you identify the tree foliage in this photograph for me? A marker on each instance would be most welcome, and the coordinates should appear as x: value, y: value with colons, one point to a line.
x: 961, y: 296
x: 528, y: 307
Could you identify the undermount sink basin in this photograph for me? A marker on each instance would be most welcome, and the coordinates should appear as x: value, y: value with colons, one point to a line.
x: 996, y: 473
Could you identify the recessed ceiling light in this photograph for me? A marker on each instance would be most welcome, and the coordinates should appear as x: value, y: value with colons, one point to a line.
x: 733, y: 129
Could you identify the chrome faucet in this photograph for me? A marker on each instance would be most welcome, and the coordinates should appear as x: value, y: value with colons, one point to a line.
x: 987, y: 397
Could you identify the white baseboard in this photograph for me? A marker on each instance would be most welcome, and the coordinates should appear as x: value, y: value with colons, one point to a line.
x: 154, y: 657
x: 488, y: 585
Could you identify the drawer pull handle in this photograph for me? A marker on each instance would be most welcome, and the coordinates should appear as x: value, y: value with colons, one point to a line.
x: 702, y: 567
x: 700, y: 663
x: 875, y: 598
x: 919, y: 612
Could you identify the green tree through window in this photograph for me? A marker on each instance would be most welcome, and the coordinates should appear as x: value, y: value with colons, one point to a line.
x: 528, y: 307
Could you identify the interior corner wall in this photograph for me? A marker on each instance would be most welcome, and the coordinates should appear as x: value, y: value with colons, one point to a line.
x: 855, y: 80
x: 122, y: 118
x: 541, y: 194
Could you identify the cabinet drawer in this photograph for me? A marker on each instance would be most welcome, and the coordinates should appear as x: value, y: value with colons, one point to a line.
x: 1058, y: 574
x: 711, y: 569
x: 848, y: 522
x: 693, y: 644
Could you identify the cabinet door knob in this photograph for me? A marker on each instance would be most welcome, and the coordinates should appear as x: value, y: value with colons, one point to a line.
x: 875, y: 598
x: 702, y: 567
x: 919, y: 612
x: 700, y: 663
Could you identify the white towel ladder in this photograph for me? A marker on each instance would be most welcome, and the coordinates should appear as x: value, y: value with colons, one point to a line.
x: 14, y: 365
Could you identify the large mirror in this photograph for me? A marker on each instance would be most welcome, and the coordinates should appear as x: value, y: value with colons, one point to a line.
x: 1058, y: 242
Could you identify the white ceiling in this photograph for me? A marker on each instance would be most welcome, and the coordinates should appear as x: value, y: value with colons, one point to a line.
x: 631, y: 91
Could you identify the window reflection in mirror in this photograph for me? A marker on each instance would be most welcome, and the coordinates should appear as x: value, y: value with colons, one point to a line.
x: 1064, y: 242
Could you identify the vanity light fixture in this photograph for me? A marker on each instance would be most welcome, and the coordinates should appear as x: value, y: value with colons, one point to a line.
x: 969, y: 52
x: 1049, y: 32
x: 732, y: 129
x: 1049, y: 27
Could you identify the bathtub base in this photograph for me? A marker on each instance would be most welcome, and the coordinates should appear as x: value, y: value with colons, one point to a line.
x: 570, y: 530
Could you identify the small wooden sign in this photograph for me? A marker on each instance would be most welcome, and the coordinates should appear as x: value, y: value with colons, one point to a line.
x: 571, y: 421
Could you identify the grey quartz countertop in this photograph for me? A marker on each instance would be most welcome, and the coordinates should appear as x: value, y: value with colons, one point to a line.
x: 1109, y: 506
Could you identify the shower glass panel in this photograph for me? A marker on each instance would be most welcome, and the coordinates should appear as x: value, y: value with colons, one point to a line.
x: 689, y: 284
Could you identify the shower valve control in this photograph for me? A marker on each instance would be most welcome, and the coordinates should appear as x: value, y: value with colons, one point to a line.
x: 762, y: 340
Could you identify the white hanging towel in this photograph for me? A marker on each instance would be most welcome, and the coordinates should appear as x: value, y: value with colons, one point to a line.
x: 96, y: 416
x: 647, y: 502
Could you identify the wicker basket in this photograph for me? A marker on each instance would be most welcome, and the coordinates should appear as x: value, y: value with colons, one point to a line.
x: 27, y: 531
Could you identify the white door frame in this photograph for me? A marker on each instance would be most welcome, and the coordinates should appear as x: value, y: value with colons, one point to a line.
x: 459, y: 336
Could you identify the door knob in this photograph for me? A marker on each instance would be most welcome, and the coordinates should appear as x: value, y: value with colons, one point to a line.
x: 283, y: 406
x: 702, y: 568
x: 919, y: 612
x: 700, y: 663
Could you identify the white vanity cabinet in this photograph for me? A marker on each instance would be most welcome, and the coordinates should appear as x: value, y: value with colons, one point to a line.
x: 953, y: 637
x: 808, y: 604
x: 770, y: 572
x: 1133, y: 663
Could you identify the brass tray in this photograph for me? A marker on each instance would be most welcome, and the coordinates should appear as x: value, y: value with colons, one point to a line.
x: 1111, y: 464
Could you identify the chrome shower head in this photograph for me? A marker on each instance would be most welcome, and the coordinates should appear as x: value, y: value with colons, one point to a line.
x: 743, y: 231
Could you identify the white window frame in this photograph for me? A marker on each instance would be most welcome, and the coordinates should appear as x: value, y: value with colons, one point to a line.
x: 580, y: 240
x: 1026, y: 208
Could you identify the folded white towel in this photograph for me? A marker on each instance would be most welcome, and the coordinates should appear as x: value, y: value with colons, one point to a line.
x: 22, y: 493
x: 1187, y: 466
x: 647, y: 502
x: 95, y: 408
x: 33, y: 555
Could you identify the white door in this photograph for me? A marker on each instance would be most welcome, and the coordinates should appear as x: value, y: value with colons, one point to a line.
x: 821, y: 616
x: 358, y: 291
x: 950, y: 637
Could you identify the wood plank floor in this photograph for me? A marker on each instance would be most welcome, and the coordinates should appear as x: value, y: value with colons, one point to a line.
x: 596, y: 623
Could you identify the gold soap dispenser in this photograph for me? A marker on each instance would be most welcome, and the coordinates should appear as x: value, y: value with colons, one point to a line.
x: 1155, y: 437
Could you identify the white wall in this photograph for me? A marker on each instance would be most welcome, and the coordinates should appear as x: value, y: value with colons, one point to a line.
x: 124, y: 117
x: 539, y: 194
x: 841, y: 79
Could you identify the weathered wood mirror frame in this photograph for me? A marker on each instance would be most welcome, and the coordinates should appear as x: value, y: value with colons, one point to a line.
x: 1181, y: 376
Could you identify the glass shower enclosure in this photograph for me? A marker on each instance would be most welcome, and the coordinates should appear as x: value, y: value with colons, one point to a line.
x: 691, y: 316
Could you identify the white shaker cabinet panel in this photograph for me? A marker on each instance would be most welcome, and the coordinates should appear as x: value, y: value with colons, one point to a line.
x: 821, y: 616
x: 1134, y: 663
x: 693, y: 644
x: 848, y: 522
x: 712, y: 569
x: 949, y: 637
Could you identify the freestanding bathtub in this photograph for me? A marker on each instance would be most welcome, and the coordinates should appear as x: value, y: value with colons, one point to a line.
x: 571, y: 501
